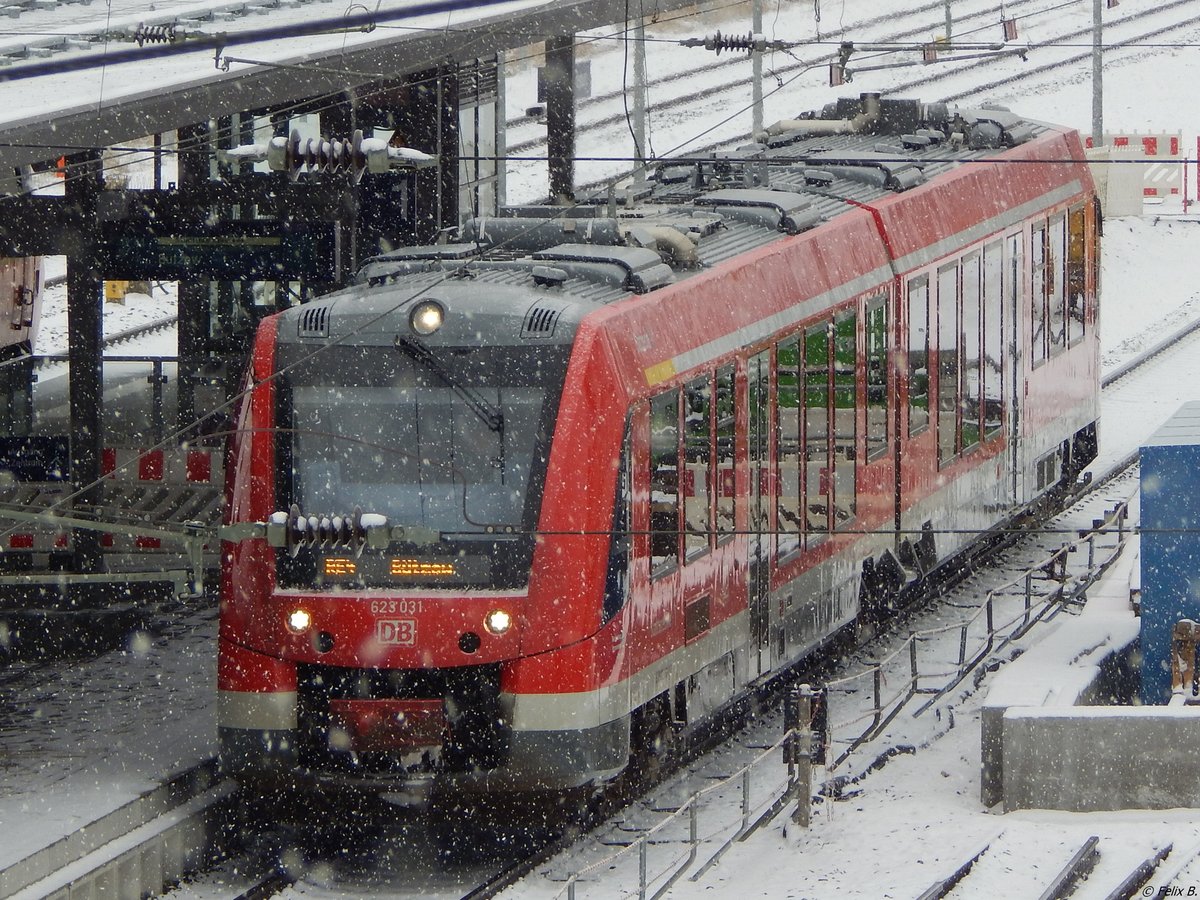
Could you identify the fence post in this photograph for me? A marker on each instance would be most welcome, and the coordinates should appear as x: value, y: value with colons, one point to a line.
x: 642, y: 867
x: 912, y: 665
x: 877, y: 679
x: 802, y: 754
x: 1028, y: 595
x: 745, y: 800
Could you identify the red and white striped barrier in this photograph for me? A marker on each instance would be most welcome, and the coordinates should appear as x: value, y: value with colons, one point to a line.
x: 1159, y: 179
x: 129, y: 464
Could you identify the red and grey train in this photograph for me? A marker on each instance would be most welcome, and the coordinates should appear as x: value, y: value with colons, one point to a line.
x: 512, y: 507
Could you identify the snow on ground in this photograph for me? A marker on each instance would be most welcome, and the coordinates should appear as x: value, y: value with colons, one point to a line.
x: 87, y: 740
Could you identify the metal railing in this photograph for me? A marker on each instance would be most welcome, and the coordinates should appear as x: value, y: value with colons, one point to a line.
x: 990, y: 633
x: 762, y: 797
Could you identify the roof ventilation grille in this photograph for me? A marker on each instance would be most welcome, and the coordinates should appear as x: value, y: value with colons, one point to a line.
x: 314, y: 322
x: 539, y: 322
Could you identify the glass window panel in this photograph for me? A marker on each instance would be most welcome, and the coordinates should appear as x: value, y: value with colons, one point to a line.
x: 664, y: 482
x: 818, y: 486
x: 877, y: 378
x: 993, y: 340
x: 918, y: 355
x: 1076, y: 274
x: 948, y: 362
x: 697, y: 445
x: 1056, y: 300
x: 970, y: 339
x: 758, y: 438
x: 845, y: 419
x: 1037, y: 299
x: 726, y: 438
x: 407, y: 444
x: 787, y: 443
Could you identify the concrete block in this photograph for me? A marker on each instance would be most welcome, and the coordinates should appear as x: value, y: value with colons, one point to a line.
x: 1101, y: 758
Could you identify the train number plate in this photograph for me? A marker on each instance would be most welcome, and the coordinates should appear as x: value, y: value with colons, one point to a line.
x: 397, y: 632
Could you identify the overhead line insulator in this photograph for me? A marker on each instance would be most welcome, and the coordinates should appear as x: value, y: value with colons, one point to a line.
x: 749, y: 42
x: 329, y: 156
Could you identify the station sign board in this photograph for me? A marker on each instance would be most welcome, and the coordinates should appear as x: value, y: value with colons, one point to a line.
x: 35, y: 458
x: 233, y: 251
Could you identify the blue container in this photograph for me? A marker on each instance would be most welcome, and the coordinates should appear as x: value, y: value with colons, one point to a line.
x: 1170, y: 527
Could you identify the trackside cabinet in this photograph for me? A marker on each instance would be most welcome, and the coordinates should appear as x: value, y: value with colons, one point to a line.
x: 1170, y: 486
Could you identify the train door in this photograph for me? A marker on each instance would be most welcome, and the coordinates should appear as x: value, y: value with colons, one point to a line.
x: 995, y: 368
x: 758, y: 570
x: 1016, y: 312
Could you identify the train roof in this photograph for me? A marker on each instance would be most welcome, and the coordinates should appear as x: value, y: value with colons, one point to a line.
x: 544, y: 263
x: 801, y: 173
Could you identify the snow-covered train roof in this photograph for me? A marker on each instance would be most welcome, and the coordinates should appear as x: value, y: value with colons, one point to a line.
x: 694, y: 213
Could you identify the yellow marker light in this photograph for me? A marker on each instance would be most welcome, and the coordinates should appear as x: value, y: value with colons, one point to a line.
x: 498, y: 621
x: 427, y: 317
x: 298, y: 621
x: 407, y: 568
x: 339, y: 565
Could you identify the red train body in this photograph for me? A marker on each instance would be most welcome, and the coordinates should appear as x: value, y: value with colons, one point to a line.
x: 510, y: 508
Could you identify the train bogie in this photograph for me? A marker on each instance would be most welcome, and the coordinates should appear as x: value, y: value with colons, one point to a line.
x: 509, y: 512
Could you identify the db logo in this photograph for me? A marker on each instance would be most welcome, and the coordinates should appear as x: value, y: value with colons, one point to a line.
x: 400, y: 632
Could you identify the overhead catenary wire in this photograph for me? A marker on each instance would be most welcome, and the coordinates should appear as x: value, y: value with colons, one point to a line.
x: 401, y: 303
x: 307, y: 103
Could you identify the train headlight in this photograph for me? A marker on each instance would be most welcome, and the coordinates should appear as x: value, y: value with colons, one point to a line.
x: 298, y: 621
x: 498, y: 621
x: 427, y: 317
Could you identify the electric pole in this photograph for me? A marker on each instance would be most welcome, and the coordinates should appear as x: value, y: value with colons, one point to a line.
x: 1097, y: 76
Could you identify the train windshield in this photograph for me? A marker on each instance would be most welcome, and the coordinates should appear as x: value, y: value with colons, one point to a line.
x: 455, y: 440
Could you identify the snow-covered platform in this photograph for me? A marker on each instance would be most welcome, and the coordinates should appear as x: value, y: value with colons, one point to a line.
x: 1048, y: 739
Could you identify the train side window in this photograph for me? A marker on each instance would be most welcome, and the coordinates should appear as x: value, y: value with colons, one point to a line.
x: 616, y: 578
x: 664, y: 482
x: 949, y: 361
x: 918, y: 355
x: 726, y: 426
x: 787, y: 443
x: 697, y: 475
x: 845, y: 419
x: 993, y: 340
x: 1076, y: 275
x: 1056, y: 299
x: 817, y: 481
x: 1037, y: 298
x: 876, y: 335
x: 969, y: 403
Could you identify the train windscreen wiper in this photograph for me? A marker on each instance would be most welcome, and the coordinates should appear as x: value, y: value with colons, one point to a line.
x: 491, y: 416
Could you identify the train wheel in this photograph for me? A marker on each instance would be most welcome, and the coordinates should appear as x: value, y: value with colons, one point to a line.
x: 656, y: 744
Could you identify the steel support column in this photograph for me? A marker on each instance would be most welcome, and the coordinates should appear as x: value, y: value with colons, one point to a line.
x: 560, y: 117
x: 194, y: 302
x: 85, y: 346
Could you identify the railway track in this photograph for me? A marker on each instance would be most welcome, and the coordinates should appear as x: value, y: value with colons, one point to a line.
x: 727, y: 78
x: 728, y: 757
x: 278, y: 881
x: 1151, y: 876
x: 717, y: 88
x: 624, y: 828
x: 647, y: 814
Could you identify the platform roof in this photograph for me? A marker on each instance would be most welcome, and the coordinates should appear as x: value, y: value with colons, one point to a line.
x: 60, y: 111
